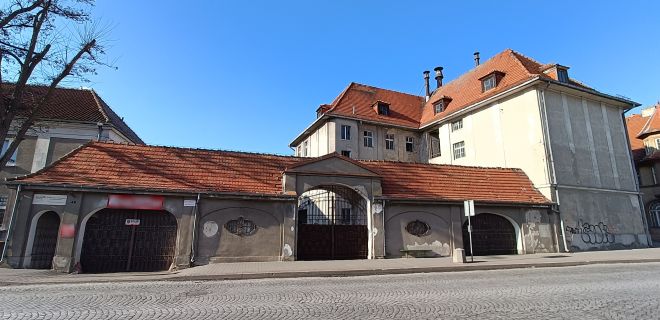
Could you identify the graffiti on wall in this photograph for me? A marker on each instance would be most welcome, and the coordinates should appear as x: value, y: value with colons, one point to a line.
x: 591, y: 233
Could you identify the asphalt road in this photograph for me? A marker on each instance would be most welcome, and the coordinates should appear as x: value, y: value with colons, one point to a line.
x: 620, y: 291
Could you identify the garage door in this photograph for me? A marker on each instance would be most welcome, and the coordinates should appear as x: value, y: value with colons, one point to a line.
x: 121, y: 240
x: 491, y: 235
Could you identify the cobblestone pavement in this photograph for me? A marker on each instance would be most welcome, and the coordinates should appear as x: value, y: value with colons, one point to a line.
x: 621, y: 291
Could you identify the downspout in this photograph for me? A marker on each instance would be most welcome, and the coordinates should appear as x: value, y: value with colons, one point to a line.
x: 194, y: 229
x: 11, y: 221
x: 642, y: 208
x: 383, y: 226
x: 551, y: 167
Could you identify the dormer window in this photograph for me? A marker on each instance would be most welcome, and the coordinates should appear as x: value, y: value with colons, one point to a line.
x: 562, y: 75
x: 438, y: 107
x: 383, y: 108
x: 491, y: 80
x: 488, y: 83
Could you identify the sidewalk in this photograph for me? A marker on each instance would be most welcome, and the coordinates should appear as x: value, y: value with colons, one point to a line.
x: 336, y: 268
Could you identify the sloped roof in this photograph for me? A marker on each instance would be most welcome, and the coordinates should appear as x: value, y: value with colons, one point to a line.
x: 652, y: 125
x: 455, y: 183
x: 413, y: 111
x: 141, y: 167
x: 634, y: 124
x: 358, y: 100
x: 81, y: 105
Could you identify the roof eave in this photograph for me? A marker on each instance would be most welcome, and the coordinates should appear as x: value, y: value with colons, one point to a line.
x: 308, y: 130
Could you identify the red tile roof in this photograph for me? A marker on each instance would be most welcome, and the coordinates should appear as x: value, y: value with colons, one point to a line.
x: 456, y: 183
x: 357, y: 101
x: 82, y: 105
x: 652, y: 125
x: 140, y: 167
x: 634, y: 124
x: 412, y: 111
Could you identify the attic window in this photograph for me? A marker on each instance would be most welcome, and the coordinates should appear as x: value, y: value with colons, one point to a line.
x: 438, y: 107
x: 488, y: 83
x: 491, y: 80
x: 562, y: 75
x: 383, y: 108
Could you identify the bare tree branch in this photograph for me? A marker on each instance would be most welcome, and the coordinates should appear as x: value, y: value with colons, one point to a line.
x: 6, y: 20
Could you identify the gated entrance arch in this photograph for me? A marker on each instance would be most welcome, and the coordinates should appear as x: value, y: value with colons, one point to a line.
x: 332, y: 224
x: 44, y: 242
x: 120, y: 240
x: 492, y: 234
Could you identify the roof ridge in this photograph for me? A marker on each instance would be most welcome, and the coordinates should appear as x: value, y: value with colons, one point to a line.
x: 98, y: 104
x: 518, y: 56
x: 197, y: 149
x: 395, y: 91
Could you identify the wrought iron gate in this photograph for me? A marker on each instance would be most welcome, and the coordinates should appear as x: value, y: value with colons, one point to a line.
x: 128, y: 240
x: 332, y: 224
x: 491, y: 235
x: 45, y: 241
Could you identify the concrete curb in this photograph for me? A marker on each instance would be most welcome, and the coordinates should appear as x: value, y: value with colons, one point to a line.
x: 333, y: 273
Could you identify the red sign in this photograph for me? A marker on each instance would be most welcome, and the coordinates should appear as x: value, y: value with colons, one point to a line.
x: 68, y: 231
x: 126, y: 201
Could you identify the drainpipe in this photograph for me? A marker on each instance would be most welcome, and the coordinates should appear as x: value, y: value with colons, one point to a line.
x: 383, y: 226
x: 551, y: 167
x: 11, y: 221
x: 642, y: 208
x: 194, y: 230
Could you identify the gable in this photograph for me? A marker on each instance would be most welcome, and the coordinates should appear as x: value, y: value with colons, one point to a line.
x: 332, y: 164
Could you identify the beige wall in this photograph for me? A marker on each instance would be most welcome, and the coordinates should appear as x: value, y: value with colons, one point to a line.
x: 507, y: 133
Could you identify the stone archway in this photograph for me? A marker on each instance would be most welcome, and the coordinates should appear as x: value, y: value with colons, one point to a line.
x: 492, y: 234
x: 332, y: 224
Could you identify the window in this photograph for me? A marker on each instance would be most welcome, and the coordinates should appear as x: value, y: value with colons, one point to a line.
x: 5, y: 146
x: 438, y: 107
x: 389, y: 141
x: 305, y: 148
x: 654, y: 214
x: 488, y: 83
x: 457, y: 125
x: 369, y: 139
x: 383, y: 108
x: 346, y: 153
x: 410, y: 141
x: 434, y: 151
x: 562, y: 75
x: 345, y: 215
x: 299, y: 151
x: 345, y: 132
x: 657, y: 144
x: 459, y: 150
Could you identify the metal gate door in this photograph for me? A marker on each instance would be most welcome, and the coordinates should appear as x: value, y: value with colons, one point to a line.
x: 332, y: 224
x: 45, y: 241
x: 128, y: 240
x: 491, y: 235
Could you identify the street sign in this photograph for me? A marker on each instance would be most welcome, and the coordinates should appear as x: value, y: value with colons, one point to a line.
x: 468, y: 206
x: 132, y: 222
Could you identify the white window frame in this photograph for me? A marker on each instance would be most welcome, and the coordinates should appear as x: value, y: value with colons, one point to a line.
x: 12, y: 161
x: 305, y: 148
x: 389, y: 139
x: 299, y: 150
x: 368, y: 139
x: 438, y: 107
x: 457, y: 125
x: 345, y: 132
x: 488, y: 83
x: 458, y: 149
x: 410, y: 141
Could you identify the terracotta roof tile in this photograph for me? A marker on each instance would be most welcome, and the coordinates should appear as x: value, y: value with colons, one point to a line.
x: 634, y: 124
x: 652, y: 125
x: 130, y: 167
x: 82, y: 105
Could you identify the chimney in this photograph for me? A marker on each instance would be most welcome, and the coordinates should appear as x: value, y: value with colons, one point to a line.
x: 476, y: 59
x: 426, y: 84
x: 438, y: 76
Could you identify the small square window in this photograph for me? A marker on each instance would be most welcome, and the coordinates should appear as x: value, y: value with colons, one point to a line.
x: 459, y: 150
x: 562, y: 75
x: 489, y: 83
x: 345, y: 132
x: 410, y: 142
x: 346, y: 153
x: 389, y: 141
x: 457, y: 125
x: 369, y: 139
x: 383, y: 108
x: 438, y: 107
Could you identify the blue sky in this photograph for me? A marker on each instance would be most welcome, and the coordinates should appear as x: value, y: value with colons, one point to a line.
x: 249, y: 75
